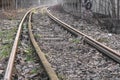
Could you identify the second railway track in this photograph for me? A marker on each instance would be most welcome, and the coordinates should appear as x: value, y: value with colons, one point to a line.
x: 64, y: 49
x: 70, y: 58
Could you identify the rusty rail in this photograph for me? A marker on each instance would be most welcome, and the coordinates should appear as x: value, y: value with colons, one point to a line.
x: 52, y: 75
x: 10, y: 64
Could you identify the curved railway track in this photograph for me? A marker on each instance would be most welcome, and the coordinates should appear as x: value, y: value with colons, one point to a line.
x: 52, y: 75
x: 9, y: 69
x: 104, y: 49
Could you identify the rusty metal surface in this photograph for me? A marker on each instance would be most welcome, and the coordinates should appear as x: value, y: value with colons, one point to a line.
x: 9, y: 68
x: 51, y: 73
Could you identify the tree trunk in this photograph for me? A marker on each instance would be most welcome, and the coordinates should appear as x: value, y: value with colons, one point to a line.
x: 16, y: 5
x: 118, y: 9
x: 113, y: 8
x: 2, y: 4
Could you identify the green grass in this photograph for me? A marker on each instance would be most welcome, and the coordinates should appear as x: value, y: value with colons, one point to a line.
x: 34, y: 70
x: 61, y: 77
x: 29, y: 58
x: 37, y: 35
x: 6, y: 41
x: 28, y: 50
x: 5, y: 50
x: 76, y: 41
x: 28, y: 53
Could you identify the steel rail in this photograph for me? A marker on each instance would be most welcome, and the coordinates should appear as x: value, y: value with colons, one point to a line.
x: 51, y: 73
x: 99, y: 46
x: 10, y: 64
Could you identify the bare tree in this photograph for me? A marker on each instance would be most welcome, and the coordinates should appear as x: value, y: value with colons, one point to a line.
x: 113, y: 8
x: 118, y: 9
x: 2, y: 4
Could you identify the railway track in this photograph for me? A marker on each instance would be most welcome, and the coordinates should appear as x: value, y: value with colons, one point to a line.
x: 50, y: 72
x: 8, y: 74
x: 104, y: 49
x: 56, y: 44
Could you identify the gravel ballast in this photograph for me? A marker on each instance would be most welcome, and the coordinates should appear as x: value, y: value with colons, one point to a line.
x: 93, y: 30
x: 27, y: 63
x: 69, y: 57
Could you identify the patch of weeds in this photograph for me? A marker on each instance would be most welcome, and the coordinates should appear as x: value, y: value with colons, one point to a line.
x: 29, y: 52
x: 76, y: 41
x: 5, y: 50
x: 2, y: 34
x: 61, y: 77
x: 29, y: 58
x: 37, y: 35
x: 9, y: 34
x: 102, y: 40
x: 34, y: 70
x: 6, y: 41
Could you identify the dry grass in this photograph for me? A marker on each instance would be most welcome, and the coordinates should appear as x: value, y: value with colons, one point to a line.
x: 8, y: 15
